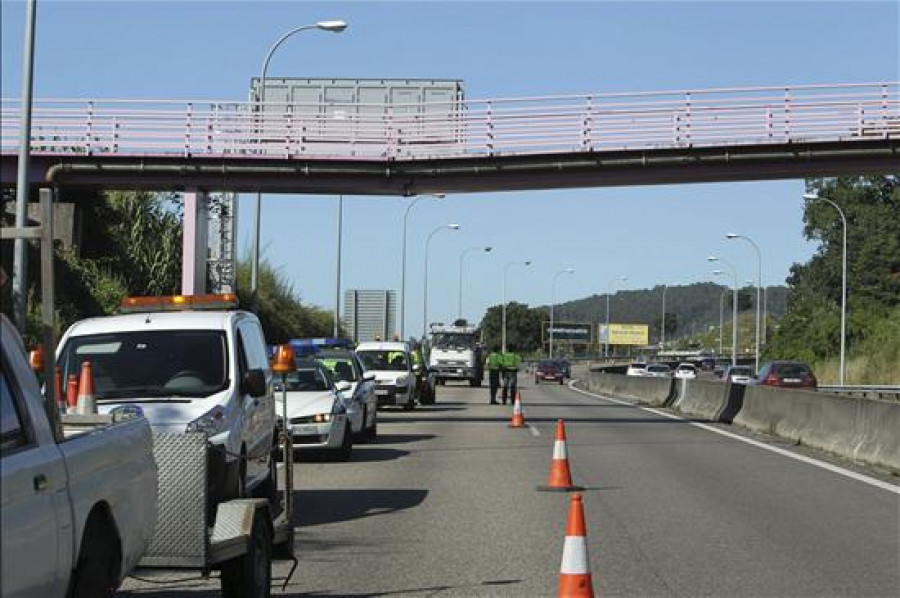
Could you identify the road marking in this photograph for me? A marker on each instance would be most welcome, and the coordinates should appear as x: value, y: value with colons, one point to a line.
x: 803, y: 458
x: 534, y: 431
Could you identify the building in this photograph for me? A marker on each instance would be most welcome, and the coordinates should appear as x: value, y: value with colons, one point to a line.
x: 370, y: 314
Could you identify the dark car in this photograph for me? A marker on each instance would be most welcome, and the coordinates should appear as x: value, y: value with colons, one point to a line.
x: 565, y: 367
x: 548, y: 370
x: 786, y: 374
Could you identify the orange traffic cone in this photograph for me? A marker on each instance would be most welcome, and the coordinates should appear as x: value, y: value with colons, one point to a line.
x: 560, y: 477
x: 518, y: 418
x: 575, y: 570
x: 87, y: 400
x: 57, y: 390
x: 72, y: 392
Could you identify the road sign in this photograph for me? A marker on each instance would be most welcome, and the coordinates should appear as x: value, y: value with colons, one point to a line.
x: 625, y: 334
x: 569, y: 332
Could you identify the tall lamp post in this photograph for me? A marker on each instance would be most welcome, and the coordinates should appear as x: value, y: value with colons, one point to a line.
x: 553, y: 303
x: 334, y: 27
x: 503, y: 306
x: 337, y: 278
x: 403, y: 261
x: 608, y: 291
x: 462, y: 256
x: 815, y: 197
x: 758, y: 287
x: 721, y: 317
x: 662, y: 326
x: 425, y: 291
x: 734, y: 305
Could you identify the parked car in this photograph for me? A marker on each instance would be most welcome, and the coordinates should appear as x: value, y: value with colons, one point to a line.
x: 686, y: 370
x: 638, y: 368
x: 739, y: 374
x: 395, y: 380
x: 707, y: 364
x: 192, y: 364
x: 786, y: 374
x: 79, y: 508
x: 362, y: 407
x: 658, y: 370
x: 548, y: 370
x: 317, y: 415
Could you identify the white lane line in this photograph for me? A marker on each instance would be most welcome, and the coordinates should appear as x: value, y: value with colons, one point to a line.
x: 803, y: 458
x: 534, y: 431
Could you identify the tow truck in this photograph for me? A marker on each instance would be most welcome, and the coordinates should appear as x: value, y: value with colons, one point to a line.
x: 456, y: 353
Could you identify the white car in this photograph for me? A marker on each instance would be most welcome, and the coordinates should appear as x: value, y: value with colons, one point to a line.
x: 392, y: 364
x: 638, y: 368
x: 658, y: 370
x: 192, y: 364
x: 317, y: 416
x: 739, y: 374
x: 360, y: 401
x: 686, y: 370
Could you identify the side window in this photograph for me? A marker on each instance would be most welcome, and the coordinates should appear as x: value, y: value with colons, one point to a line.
x: 241, y: 356
x: 12, y: 432
x: 254, y: 346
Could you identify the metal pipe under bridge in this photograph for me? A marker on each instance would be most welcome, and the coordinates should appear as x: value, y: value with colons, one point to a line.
x: 594, y: 140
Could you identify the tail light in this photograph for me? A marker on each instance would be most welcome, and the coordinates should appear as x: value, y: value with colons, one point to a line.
x: 810, y: 381
x: 772, y: 380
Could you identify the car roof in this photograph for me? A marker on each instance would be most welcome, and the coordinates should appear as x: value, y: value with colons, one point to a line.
x: 383, y: 346
x: 174, y: 320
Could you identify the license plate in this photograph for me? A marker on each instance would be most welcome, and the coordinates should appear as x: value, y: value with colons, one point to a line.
x: 304, y: 430
x: 381, y: 393
x: 792, y: 380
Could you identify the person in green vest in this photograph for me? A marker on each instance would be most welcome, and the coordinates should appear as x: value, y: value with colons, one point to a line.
x: 510, y: 362
x: 494, y: 364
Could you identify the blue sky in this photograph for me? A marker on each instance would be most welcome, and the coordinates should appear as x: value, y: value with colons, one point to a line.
x: 653, y: 235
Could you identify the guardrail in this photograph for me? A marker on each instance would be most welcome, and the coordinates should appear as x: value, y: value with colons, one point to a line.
x: 865, y: 391
x: 470, y: 128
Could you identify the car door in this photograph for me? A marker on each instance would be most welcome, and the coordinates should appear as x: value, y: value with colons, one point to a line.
x: 258, y: 411
x: 36, y: 521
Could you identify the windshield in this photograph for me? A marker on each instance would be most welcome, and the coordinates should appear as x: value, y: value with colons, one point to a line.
x: 658, y: 368
x: 453, y: 340
x: 150, y: 364
x: 307, y: 379
x: 384, y: 360
x: 741, y: 371
x: 342, y: 367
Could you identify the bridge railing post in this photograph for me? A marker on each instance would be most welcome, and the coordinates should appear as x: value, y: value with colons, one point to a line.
x: 115, y: 135
x: 586, y: 124
x: 187, y: 129
x: 885, y: 115
x: 288, y: 118
x: 787, y: 115
x: 489, y: 115
x: 770, y: 133
x: 89, y: 132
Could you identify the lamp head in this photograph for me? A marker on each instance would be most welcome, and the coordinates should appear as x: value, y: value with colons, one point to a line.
x: 712, y: 258
x: 718, y: 272
x: 623, y: 278
x: 570, y: 270
x: 731, y: 235
x: 528, y: 263
x: 811, y: 196
x: 488, y: 249
x: 333, y: 26
x: 453, y: 226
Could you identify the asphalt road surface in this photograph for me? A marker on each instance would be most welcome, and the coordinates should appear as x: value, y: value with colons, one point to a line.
x: 445, y: 504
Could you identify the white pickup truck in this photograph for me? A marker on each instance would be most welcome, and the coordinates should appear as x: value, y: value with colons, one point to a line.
x: 78, y: 504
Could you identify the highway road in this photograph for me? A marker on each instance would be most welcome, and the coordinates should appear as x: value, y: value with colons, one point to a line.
x: 446, y: 505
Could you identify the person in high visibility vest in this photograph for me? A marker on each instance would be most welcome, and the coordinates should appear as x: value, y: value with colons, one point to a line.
x: 494, y: 364
x: 510, y: 362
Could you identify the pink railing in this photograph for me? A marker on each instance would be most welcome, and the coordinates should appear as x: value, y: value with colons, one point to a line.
x: 550, y: 124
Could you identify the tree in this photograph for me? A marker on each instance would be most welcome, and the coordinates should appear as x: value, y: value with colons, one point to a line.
x: 523, y: 326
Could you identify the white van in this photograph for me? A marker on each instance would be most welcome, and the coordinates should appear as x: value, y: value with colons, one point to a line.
x: 392, y: 364
x: 192, y: 364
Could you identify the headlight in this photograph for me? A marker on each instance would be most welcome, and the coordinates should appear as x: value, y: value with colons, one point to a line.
x: 210, y: 423
x: 402, y: 381
x: 321, y: 418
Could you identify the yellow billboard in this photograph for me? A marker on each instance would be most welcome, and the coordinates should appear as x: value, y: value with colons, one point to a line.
x: 625, y: 334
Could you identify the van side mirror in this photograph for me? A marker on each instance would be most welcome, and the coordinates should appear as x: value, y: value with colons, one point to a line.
x: 254, y: 383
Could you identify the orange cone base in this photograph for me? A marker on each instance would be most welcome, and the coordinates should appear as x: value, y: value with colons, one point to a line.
x: 573, y: 586
x: 517, y: 422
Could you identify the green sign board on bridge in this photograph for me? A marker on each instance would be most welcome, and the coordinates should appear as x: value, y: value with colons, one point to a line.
x: 568, y: 332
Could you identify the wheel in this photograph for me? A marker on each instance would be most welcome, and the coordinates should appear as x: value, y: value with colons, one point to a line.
x: 346, y: 449
x: 251, y: 573
x: 97, y: 569
x: 560, y: 381
x: 372, y: 431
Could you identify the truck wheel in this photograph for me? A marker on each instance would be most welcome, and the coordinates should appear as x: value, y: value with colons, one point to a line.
x: 99, y: 557
x: 251, y: 573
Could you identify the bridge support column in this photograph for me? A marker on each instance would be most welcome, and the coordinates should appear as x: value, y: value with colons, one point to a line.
x: 194, y: 248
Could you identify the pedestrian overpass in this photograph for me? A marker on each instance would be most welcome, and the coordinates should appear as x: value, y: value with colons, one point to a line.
x: 592, y: 140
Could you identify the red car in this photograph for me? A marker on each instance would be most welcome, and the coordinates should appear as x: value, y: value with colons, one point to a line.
x: 549, y: 370
x: 786, y: 374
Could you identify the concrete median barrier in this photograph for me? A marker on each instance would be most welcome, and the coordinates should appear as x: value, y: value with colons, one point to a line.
x: 864, y: 430
x: 652, y: 391
x: 709, y: 399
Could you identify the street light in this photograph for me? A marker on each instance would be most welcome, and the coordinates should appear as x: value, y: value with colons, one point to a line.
x: 608, y: 290
x: 503, y: 306
x: 425, y: 293
x: 553, y: 302
x: 403, y: 261
x: 758, y: 285
x: 662, y: 327
x: 462, y: 256
x: 734, y: 305
x: 814, y: 197
x: 721, y: 316
x: 333, y: 26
